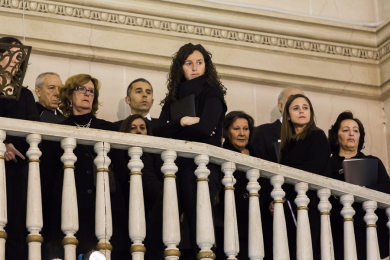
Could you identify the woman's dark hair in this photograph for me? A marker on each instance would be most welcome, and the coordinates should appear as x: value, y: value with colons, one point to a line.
x: 66, y: 93
x: 334, y: 129
x: 176, y: 74
x: 288, y: 131
x: 231, y: 117
x: 126, y: 124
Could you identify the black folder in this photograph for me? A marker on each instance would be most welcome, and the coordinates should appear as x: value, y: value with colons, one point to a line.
x: 183, y: 107
x: 361, y: 171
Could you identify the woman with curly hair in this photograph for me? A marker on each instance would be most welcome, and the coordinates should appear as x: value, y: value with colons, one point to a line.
x: 192, y: 73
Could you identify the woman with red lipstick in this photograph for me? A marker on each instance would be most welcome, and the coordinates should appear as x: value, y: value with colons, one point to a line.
x: 192, y: 72
x: 346, y: 138
x: 303, y: 146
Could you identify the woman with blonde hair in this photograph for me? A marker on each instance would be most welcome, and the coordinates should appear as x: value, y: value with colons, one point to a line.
x: 79, y: 104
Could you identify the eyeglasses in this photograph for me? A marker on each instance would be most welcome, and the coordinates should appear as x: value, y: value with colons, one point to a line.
x: 83, y: 90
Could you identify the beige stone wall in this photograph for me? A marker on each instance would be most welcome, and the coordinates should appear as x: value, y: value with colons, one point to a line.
x: 337, y: 52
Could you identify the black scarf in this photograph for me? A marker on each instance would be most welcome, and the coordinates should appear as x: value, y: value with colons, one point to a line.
x: 195, y: 86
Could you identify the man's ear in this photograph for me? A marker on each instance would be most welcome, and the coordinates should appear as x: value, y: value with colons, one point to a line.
x: 127, y: 99
x: 38, y: 92
x: 152, y: 102
x: 280, y: 107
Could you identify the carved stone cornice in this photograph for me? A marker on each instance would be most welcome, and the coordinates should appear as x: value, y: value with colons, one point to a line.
x: 209, y: 32
x: 254, y: 31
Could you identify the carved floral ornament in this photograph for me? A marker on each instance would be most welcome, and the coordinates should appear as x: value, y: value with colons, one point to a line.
x: 232, y: 35
x: 13, y: 64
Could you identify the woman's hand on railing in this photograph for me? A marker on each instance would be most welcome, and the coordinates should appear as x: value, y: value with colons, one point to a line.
x: 11, y: 153
x: 189, y: 120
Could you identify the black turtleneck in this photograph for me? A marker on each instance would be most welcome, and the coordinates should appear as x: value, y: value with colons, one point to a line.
x: 209, y: 106
x: 95, y: 122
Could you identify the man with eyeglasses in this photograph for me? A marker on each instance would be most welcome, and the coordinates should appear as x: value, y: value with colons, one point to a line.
x: 47, y: 87
x: 140, y: 99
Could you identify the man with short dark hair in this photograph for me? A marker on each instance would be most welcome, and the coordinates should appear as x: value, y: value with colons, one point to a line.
x: 140, y: 99
x: 47, y: 88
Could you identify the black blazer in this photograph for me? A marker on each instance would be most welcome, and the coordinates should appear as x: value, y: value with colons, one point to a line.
x: 265, y: 136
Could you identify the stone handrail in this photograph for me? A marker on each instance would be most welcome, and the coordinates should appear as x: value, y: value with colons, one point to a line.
x: 189, y: 149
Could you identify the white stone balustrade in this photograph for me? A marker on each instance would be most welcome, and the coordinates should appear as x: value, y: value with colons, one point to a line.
x: 280, y: 243
x: 103, y: 217
x: 34, y: 221
x: 231, y: 245
x: 255, y: 230
x: 304, y: 245
x: 204, y: 219
x: 202, y: 154
x: 327, y: 251
x: 137, y: 224
x: 3, y: 196
x: 171, y: 222
x: 372, y: 238
x: 349, y: 233
x: 69, y: 209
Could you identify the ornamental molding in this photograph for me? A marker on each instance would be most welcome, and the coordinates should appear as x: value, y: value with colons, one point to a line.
x: 206, y: 32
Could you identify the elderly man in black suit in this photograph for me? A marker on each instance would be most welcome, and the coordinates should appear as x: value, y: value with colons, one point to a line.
x: 140, y: 99
x: 266, y: 146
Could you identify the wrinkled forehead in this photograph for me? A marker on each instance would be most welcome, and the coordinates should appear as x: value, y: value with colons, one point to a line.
x: 52, y: 80
x: 141, y: 85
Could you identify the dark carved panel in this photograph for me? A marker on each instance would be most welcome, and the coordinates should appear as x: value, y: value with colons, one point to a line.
x: 13, y: 65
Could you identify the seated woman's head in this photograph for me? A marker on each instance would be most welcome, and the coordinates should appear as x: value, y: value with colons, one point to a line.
x: 238, y: 129
x: 346, y: 134
x: 79, y: 95
x: 135, y: 124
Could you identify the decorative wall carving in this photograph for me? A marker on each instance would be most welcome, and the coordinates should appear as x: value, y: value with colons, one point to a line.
x: 182, y: 27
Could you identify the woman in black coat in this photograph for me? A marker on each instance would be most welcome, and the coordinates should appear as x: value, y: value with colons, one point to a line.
x: 191, y: 72
x: 16, y: 164
x: 346, y: 138
x: 303, y: 146
x: 238, y: 131
x: 79, y: 103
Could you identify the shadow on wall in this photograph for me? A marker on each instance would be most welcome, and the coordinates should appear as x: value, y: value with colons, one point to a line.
x: 275, y: 114
x: 122, y: 109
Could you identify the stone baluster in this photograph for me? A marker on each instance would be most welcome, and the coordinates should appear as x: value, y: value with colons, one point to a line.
x: 324, y: 207
x: 69, y: 209
x: 231, y: 245
x: 103, y: 217
x: 137, y: 225
x: 255, y: 230
x: 204, y: 219
x: 3, y: 197
x: 280, y: 243
x: 171, y: 222
x: 349, y: 234
x: 372, y: 238
x: 34, y: 221
x: 304, y: 245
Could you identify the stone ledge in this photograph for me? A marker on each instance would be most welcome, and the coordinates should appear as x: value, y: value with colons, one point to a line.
x: 286, y: 59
